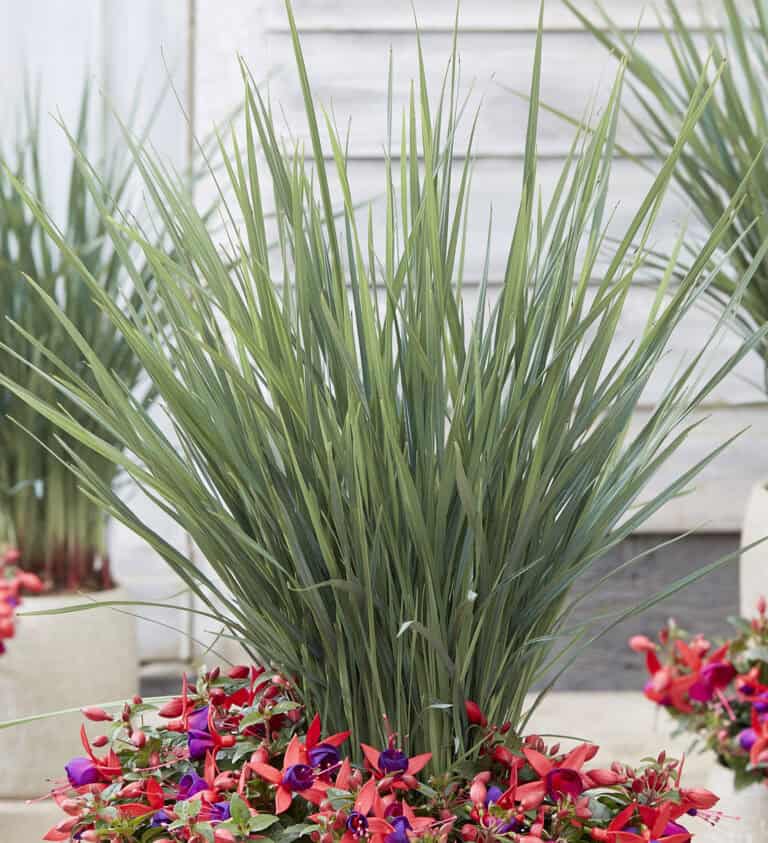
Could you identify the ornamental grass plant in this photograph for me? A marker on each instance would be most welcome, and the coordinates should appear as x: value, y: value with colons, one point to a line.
x: 397, y: 494
x: 727, y: 146
x: 58, y: 531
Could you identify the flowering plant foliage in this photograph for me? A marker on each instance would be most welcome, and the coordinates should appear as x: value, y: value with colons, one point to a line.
x: 13, y: 582
x: 718, y: 692
x: 233, y: 759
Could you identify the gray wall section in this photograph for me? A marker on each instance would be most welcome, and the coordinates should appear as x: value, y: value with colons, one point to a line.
x: 704, y: 606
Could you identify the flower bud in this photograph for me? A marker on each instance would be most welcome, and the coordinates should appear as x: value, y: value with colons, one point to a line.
x: 99, y: 741
x: 71, y: 807
x: 137, y: 700
x: 173, y: 708
x: 474, y: 714
x: 30, y: 582
x: 503, y: 755
x: 468, y: 832
x: 95, y: 714
x: 139, y: 739
x: 217, y: 695
x: 700, y: 798
x: 477, y: 792
x: 641, y: 644
x: 761, y: 605
x: 238, y: 671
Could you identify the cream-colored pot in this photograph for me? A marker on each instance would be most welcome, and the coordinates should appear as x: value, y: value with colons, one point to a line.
x: 57, y: 662
x: 746, y: 812
x: 753, y: 572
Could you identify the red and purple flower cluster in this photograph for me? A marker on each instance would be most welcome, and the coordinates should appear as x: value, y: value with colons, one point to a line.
x: 233, y: 759
x: 719, y: 693
x: 13, y: 582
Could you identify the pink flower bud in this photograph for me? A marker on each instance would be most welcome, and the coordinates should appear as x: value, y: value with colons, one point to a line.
x: 604, y: 778
x: 95, y: 714
x: 239, y: 671
x: 71, y: 807
x: 30, y: 582
x: 761, y: 605
x: 699, y: 798
x: 138, y: 739
x: 100, y: 740
x: 641, y: 644
x: 173, y: 708
x: 477, y: 792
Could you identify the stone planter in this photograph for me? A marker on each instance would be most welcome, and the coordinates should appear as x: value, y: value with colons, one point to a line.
x: 746, y: 812
x: 753, y: 569
x: 53, y: 663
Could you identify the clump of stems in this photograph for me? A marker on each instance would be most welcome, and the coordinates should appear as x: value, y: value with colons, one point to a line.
x: 60, y: 531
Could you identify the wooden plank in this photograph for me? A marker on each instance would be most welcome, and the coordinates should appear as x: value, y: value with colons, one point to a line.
x: 716, y: 503
x: 144, y: 61
x: 495, y: 189
x: 484, y: 15
x: 223, y: 31
x: 56, y: 46
x: 577, y: 74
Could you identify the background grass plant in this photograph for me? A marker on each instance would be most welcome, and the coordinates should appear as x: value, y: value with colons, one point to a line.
x: 396, y: 495
x: 59, y: 530
x: 727, y: 146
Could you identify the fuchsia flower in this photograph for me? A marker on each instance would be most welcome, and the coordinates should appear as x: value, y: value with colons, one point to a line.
x: 150, y: 785
x: 656, y: 826
x: 296, y: 776
x: 394, y: 765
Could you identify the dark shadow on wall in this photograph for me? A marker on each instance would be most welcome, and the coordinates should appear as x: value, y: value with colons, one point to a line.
x: 705, y: 606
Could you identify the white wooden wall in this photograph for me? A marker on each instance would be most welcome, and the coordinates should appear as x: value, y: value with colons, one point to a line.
x: 347, y: 44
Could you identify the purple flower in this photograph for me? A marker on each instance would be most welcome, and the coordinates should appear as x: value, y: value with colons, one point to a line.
x: 357, y: 824
x: 219, y: 812
x: 82, y: 771
x: 400, y: 834
x: 298, y: 777
x: 393, y: 761
x: 160, y: 819
x: 561, y: 782
x: 493, y: 795
x: 198, y: 720
x: 199, y: 742
x: 747, y: 738
x: 189, y: 785
x: 324, y: 756
x: 761, y: 704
